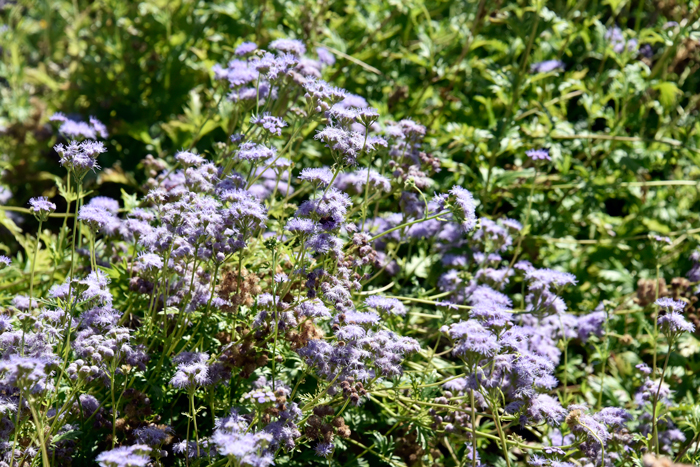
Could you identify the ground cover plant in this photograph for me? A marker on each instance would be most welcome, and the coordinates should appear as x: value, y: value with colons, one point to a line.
x: 314, y: 233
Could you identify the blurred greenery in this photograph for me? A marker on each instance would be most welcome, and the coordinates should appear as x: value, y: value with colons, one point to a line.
x: 621, y: 124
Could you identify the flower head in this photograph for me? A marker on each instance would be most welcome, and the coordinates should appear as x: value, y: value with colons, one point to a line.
x: 41, y: 207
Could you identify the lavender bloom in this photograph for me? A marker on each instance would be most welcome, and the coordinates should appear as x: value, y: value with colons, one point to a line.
x: 41, y: 207
x: 245, y: 449
x: 473, y: 339
x: 255, y: 153
x: 75, y: 129
x: 95, y: 217
x: 670, y: 304
x: 150, y: 261
x: 188, y: 159
x: 270, y: 123
x: 320, y: 176
x: 301, y: 226
x: 4, y: 261
x: 466, y: 208
x: 125, y: 456
x: 190, y: 375
x: 292, y: 46
x: 325, y: 56
x: 103, y: 202
x: 355, y: 181
x: 546, y: 66
x: 152, y: 435
x: 324, y: 449
x: 591, y: 325
x: 673, y: 323
x: 388, y: 305
x: 99, y: 127
x: 615, y: 38
x: 538, y: 154
x: 246, y: 48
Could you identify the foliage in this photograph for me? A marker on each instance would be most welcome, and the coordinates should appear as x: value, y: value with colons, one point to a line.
x: 207, y: 297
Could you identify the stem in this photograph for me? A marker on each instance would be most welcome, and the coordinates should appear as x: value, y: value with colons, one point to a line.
x: 407, y: 224
x: 501, y: 435
x: 31, y: 277
x: 473, y: 423
x: 40, y: 434
x: 75, y: 225
x: 655, y: 434
x: 194, y: 420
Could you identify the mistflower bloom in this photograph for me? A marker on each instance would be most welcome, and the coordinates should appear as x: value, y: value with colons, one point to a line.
x: 152, y: 435
x: 324, y: 449
x: 99, y: 127
x: 325, y: 56
x: 95, y: 217
x: 389, y: 305
x: 125, y: 456
x: 301, y: 225
x: 512, y: 224
x: 190, y: 375
x: 670, y: 304
x: 538, y: 154
x: 41, y: 207
x: 281, y: 277
x: 106, y: 203
x: 547, y: 66
x: 269, y: 122
x: 260, y: 395
x: 188, y: 159
x: 320, y: 176
x: 615, y: 38
x: 75, y: 129
x: 254, y: 153
x: 466, y: 211
x: 80, y: 157
x: 674, y: 323
x: 150, y: 261
x: 292, y: 46
x: 473, y: 339
x: 4, y: 261
x: 246, y: 48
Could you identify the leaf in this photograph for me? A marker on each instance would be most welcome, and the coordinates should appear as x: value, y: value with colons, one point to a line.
x: 667, y: 93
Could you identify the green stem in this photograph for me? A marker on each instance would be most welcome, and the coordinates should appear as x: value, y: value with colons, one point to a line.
x: 655, y: 434
x: 31, y: 277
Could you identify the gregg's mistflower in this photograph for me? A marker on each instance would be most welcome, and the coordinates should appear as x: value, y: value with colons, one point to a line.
x: 125, y: 456
x: 674, y: 323
x: 150, y: 261
x: 301, y: 225
x: 320, y: 176
x: 253, y: 152
x: 325, y: 56
x: 246, y: 48
x: 4, y: 261
x: 466, y: 211
x: 292, y: 46
x: 269, y: 122
x: 190, y: 375
x: 324, y: 449
x: 188, y: 159
x: 389, y: 305
x: 546, y: 66
x: 41, y: 207
x: 538, y: 154
x: 95, y: 217
x: 260, y: 396
x: 80, y: 158
x: 670, y: 304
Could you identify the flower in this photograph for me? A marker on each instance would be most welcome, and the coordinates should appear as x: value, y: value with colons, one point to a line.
x: 246, y: 48
x: 292, y: 46
x: 125, y: 456
x: 388, y: 305
x: 41, y: 207
x: 255, y: 153
x: 270, y: 123
x: 320, y: 176
x: 325, y: 56
x: 538, y: 154
x: 189, y: 159
x: 546, y: 66
x: 674, y: 323
x: 465, y: 207
x: 4, y: 261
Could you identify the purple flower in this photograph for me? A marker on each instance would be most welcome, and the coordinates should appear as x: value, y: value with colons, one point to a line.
x: 325, y: 56
x: 99, y: 127
x: 292, y: 46
x: 591, y: 325
x: 301, y: 226
x: 466, y: 208
x: 95, y: 217
x: 615, y: 38
x: 4, y: 261
x: 538, y: 154
x: 545, y: 408
x: 673, y: 323
x: 125, y: 456
x: 473, y: 339
x: 388, y: 305
x: 246, y: 48
x: 80, y: 157
x: 152, y: 435
x: 41, y: 207
x: 270, y: 123
x: 255, y: 153
x: 190, y: 375
x: 188, y: 159
x: 324, y: 449
x: 320, y: 176
x: 670, y: 304
x: 103, y: 202
x: 150, y: 261
x: 546, y: 66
